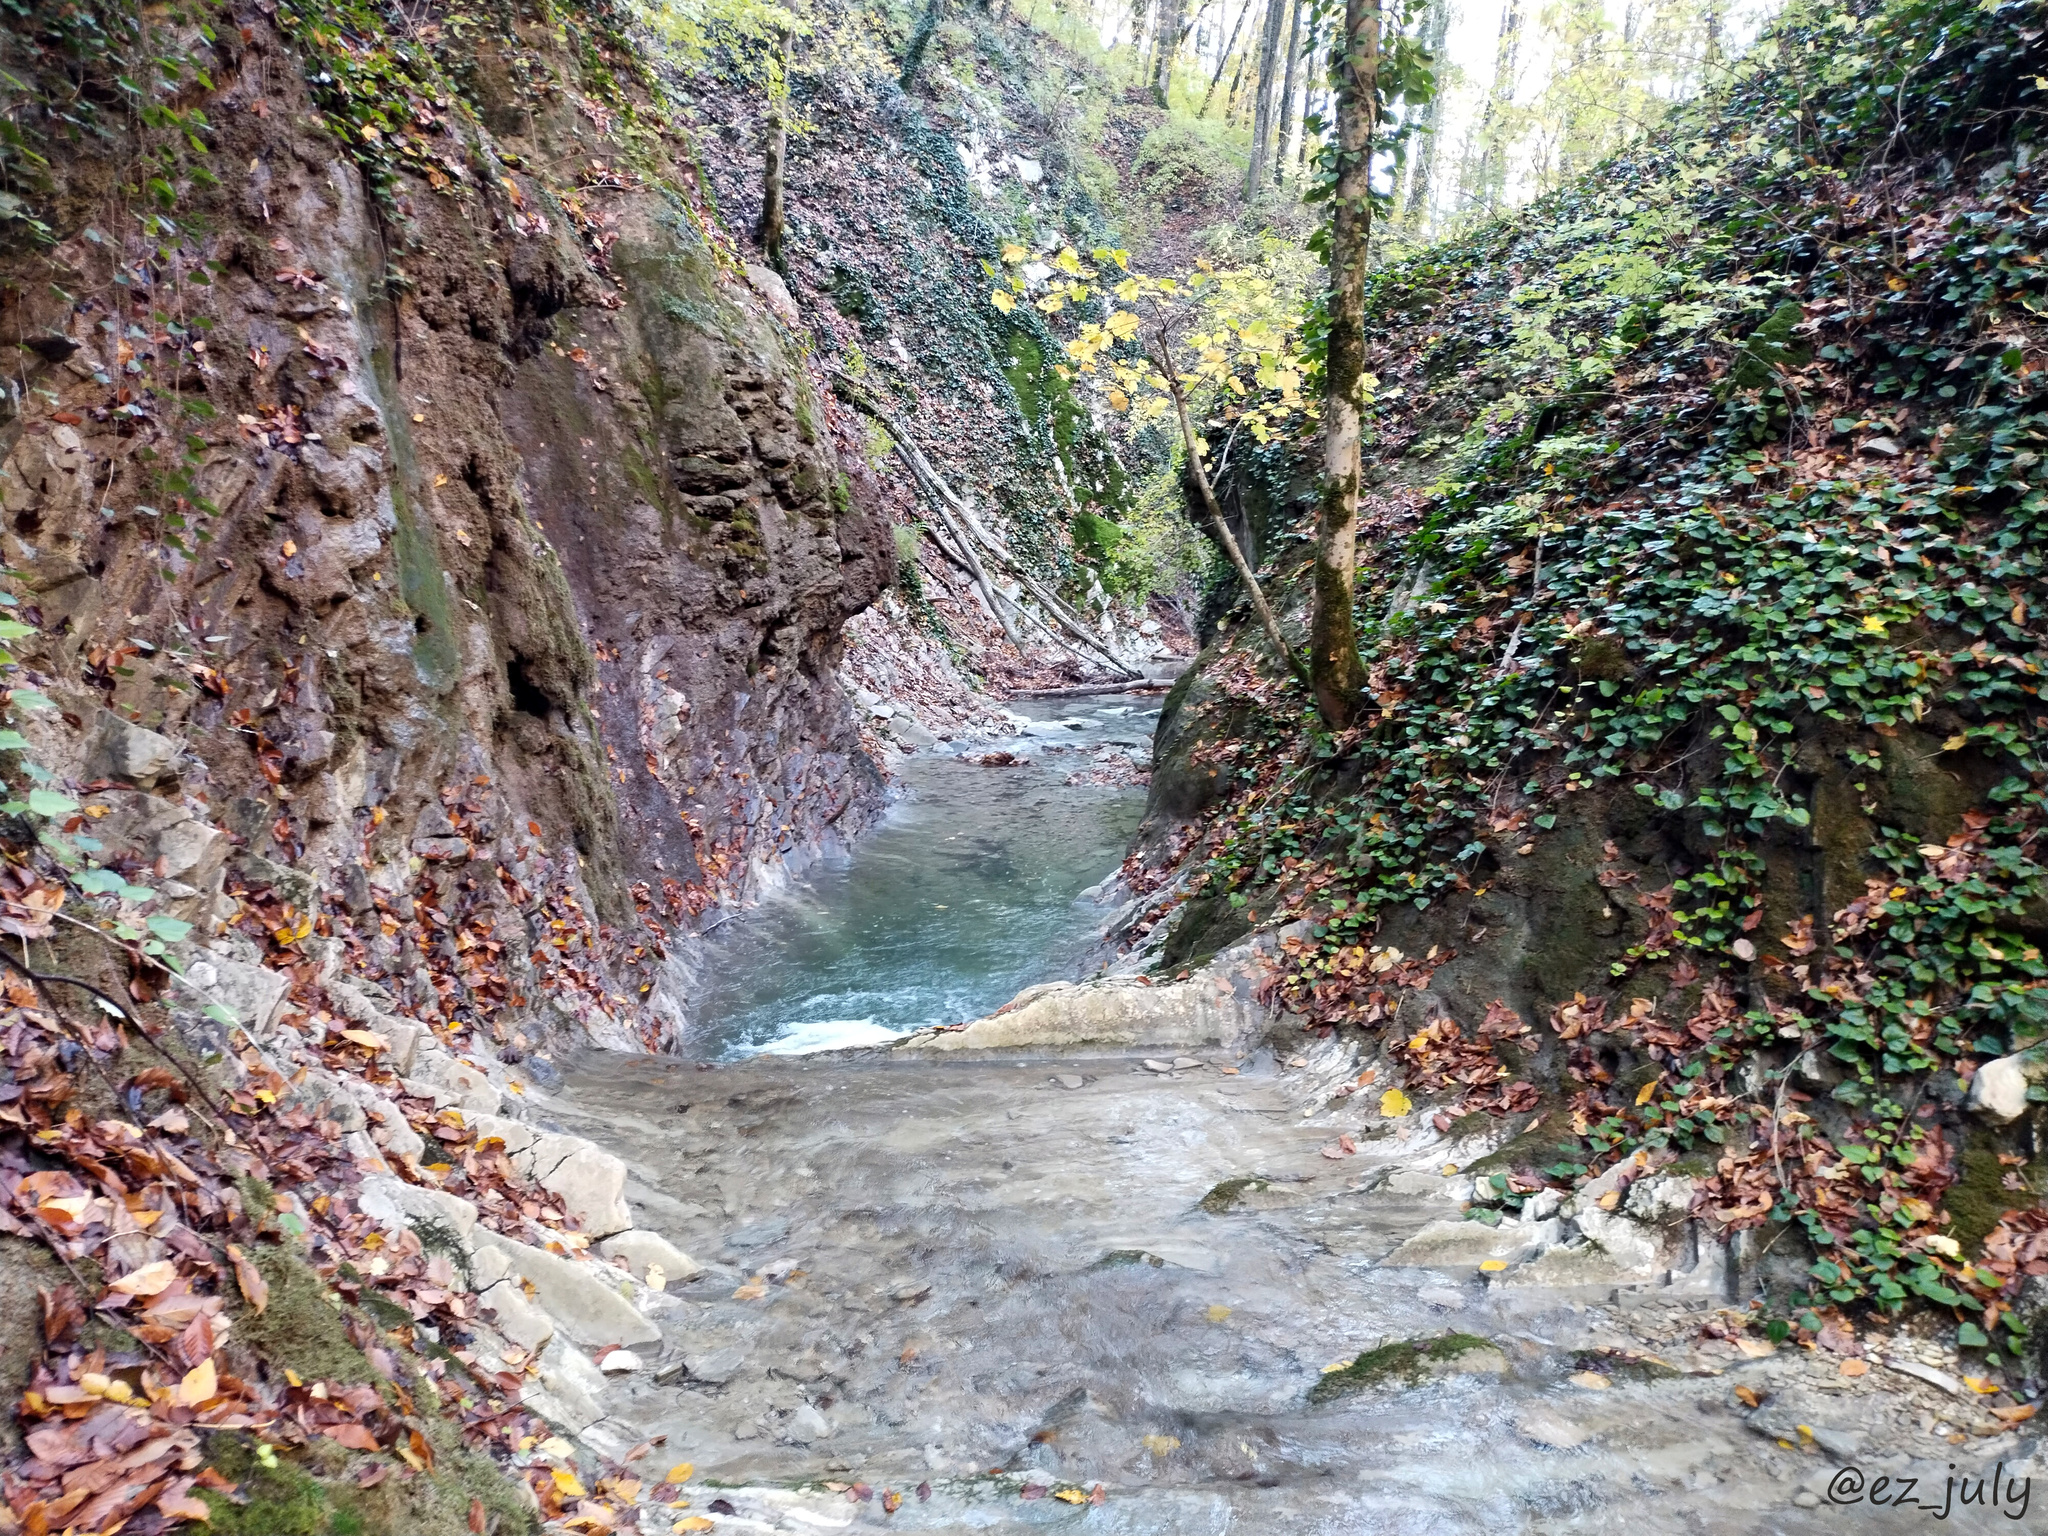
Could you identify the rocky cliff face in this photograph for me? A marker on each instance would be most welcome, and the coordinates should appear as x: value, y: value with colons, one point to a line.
x: 478, y: 528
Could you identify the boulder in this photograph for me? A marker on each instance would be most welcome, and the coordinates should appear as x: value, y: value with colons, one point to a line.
x: 402, y: 1036
x: 391, y: 1131
x: 121, y: 749
x: 519, y: 1138
x: 163, y: 834
x: 715, y: 1367
x: 911, y: 734
x: 397, y: 1204
x: 587, y: 1309
x: 1998, y: 1092
x: 517, y: 1318
x: 254, y: 994
x: 1113, y: 1014
x: 1545, y: 1428
x: 590, y: 1181
x: 641, y: 1249
x: 1468, y: 1244
x: 474, y: 1092
x: 574, y: 1382
x: 325, y: 1096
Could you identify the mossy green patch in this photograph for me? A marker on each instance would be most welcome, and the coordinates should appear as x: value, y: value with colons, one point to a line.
x: 1406, y: 1362
x: 314, y: 1492
x: 1977, y: 1199
x: 301, y: 1327
x: 1226, y: 1195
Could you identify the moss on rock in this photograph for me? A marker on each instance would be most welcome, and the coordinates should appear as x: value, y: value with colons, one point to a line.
x: 1409, y: 1363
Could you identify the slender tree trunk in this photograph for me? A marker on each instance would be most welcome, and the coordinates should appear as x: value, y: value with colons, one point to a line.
x: 1284, y: 122
x: 1262, y: 109
x: 1206, y: 493
x: 1167, y: 50
x: 1337, y: 673
x: 1232, y: 101
x: 1491, y: 175
x: 920, y: 39
x: 1314, y: 66
x: 1436, y: 26
x: 1223, y: 58
x: 768, y: 232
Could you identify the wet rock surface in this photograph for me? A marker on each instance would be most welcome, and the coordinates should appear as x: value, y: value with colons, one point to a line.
x: 980, y: 1277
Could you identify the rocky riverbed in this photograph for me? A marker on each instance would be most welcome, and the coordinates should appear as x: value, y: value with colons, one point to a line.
x: 1141, y: 1292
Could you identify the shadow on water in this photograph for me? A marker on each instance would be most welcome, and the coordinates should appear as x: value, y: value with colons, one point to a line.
x: 968, y: 891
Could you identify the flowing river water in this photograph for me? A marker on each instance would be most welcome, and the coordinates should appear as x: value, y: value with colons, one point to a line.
x: 1036, y: 1291
x: 963, y: 895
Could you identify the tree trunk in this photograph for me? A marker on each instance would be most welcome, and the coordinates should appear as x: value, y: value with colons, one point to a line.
x: 1284, y: 119
x: 1207, y: 495
x: 1230, y: 102
x: 1165, y: 51
x: 768, y: 232
x: 1262, y: 110
x: 1436, y: 26
x: 1491, y: 173
x: 1337, y: 674
x: 920, y: 39
x: 1223, y: 58
x: 1312, y: 60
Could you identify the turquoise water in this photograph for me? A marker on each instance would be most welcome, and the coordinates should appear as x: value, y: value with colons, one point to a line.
x: 967, y: 892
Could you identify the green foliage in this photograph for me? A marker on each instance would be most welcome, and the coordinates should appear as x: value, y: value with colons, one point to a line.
x: 1188, y: 164
x: 90, y: 78
x: 1737, y: 485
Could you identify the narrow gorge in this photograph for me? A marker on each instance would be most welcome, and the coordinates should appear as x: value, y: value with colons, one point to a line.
x: 685, y: 848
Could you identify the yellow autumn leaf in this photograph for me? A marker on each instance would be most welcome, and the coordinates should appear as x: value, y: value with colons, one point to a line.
x: 199, y: 1385
x: 368, y: 1038
x: 1872, y: 624
x: 681, y: 1472
x: 1002, y: 301
x: 1493, y: 1266
x: 1218, y: 1313
x: 1955, y: 743
x: 1071, y: 1496
x: 1980, y: 1386
x: 1394, y: 1104
x: 1119, y: 401
x: 1161, y: 1445
x: 1646, y: 1093
x: 566, y: 1484
x: 148, y: 1280
x: 1123, y: 324
x: 1014, y: 254
x: 694, y: 1523
x: 1052, y: 303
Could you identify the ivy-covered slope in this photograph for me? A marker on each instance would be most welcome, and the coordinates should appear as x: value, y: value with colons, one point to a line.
x: 1698, y: 807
